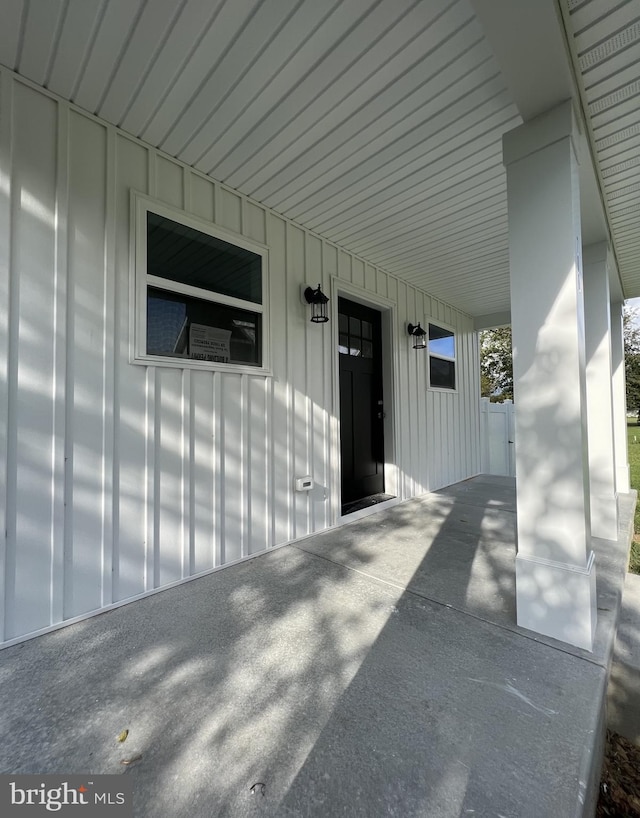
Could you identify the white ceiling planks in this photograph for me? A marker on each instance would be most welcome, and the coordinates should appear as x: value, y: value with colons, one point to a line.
x: 189, y: 134
x: 413, y: 166
x: 148, y: 37
x: 350, y: 71
x: 177, y: 108
x: 41, y: 30
x: 74, y: 45
x: 358, y: 227
x: 405, y: 109
x: 377, y: 123
x: 117, y: 25
x: 11, y: 32
x: 253, y: 86
x: 189, y: 35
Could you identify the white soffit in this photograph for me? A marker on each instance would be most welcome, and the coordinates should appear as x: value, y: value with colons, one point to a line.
x: 377, y: 123
x: 605, y: 38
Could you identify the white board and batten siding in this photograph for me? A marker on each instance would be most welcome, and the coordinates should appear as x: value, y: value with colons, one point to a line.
x: 119, y: 479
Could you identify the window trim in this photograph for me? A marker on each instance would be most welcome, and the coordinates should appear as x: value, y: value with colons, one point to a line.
x: 141, y: 280
x: 453, y: 359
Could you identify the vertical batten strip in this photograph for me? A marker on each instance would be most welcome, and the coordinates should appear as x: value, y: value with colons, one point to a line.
x: 473, y: 465
x: 327, y: 365
x: 466, y: 363
x: 276, y: 240
x: 31, y: 310
x: 187, y: 204
x: 308, y: 402
x: 268, y: 458
x: 186, y: 468
x: 131, y: 538
x: 13, y: 285
x: 405, y: 376
x: 243, y: 216
x: 6, y: 119
x: 68, y: 446
x: 421, y: 401
x: 407, y: 391
x: 271, y: 462
x: 463, y: 366
x: 86, y: 297
x: 192, y: 515
x: 329, y: 273
x: 60, y: 340
x: 152, y: 436
x: 412, y: 391
x: 217, y: 203
x: 244, y: 480
x: 108, y: 379
x: 476, y: 388
x: 151, y: 483
x: 222, y: 439
x: 217, y: 517
x: 288, y: 407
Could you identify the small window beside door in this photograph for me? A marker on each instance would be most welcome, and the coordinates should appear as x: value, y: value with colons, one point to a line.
x: 442, y: 358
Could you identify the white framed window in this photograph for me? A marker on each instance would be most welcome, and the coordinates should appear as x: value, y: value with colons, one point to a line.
x: 200, y: 293
x: 442, y: 357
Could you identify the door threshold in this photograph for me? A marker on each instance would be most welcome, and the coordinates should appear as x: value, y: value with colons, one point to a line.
x: 365, y: 502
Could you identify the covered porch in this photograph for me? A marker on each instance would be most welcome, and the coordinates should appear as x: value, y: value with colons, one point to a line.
x: 374, y: 669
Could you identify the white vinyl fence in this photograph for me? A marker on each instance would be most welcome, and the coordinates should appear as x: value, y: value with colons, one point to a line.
x: 497, y: 435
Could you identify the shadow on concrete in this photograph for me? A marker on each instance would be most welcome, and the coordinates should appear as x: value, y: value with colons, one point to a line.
x: 367, y: 671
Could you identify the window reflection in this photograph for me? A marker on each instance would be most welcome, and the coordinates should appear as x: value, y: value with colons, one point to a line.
x: 179, y: 326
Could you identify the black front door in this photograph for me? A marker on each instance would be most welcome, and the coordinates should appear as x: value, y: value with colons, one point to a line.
x: 361, y: 407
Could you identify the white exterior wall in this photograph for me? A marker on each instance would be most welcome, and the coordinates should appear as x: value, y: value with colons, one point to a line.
x: 118, y: 479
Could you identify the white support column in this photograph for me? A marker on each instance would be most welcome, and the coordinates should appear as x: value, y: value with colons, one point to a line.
x: 623, y: 486
x: 597, y: 313
x: 555, y: 572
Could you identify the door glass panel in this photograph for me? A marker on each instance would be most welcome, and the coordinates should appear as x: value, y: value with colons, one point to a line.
x: 343, y: 322
x: 366, y: 330
x: 355, y: 349
x: 343, y: 344
x: 354, y: 326
x: 367, y: 349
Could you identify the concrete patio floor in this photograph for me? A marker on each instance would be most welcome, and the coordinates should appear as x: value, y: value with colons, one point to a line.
x: 371, y: 670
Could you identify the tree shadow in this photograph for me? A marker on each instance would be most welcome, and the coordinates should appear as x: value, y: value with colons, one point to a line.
x: 369, y: 670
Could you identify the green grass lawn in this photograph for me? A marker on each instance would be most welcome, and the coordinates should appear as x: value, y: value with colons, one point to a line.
x: 633, y: 440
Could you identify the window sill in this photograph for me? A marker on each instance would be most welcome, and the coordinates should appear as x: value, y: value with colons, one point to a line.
x: 201, y: 366
x: 444, y: 389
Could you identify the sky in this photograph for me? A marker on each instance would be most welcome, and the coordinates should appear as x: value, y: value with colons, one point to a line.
x: 634, y: 303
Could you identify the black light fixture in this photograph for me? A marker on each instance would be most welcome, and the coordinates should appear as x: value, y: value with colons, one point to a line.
x: 318, y: 301
x: 419, y: 335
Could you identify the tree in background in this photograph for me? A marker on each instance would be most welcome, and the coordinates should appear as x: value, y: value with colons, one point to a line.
x: 632, y: 358
x: 496, y: 364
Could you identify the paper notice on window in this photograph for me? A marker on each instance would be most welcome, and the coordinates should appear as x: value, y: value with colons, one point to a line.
x: 209, y: 343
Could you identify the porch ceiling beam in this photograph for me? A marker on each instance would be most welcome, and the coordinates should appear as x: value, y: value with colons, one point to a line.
x: 529, y: 42
x: 492, y: 320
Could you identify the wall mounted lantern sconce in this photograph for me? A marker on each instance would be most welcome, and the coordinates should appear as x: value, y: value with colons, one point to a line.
x: 318, y: 301
x: 419, y: 335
